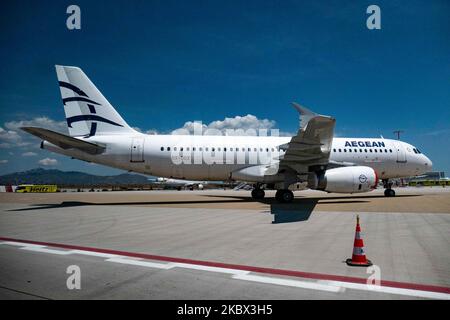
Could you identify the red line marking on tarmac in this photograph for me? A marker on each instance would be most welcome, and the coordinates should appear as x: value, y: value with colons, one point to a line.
x: 282, y: 272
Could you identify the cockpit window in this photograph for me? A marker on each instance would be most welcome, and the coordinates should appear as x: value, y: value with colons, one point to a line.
x: 418, y: 151
x: 415, y: 150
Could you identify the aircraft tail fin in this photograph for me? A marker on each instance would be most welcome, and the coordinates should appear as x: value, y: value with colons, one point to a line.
x: 88, y: 113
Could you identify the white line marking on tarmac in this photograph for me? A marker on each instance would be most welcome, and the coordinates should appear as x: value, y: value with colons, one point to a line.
x: 94, y: 254
x: 21, y: 244
x: 290, y: 283
x: 125, y: 260
x: 323, y: 285
x: 45, y: 250
x: 389, y: 290
x: 237, y: 274
x: 36, y: 248
x: 211, y: 269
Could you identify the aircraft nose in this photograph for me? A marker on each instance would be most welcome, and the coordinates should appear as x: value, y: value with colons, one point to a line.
x: 428, y: 164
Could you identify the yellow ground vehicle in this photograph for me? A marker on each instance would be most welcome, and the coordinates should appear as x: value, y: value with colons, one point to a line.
x: 24, y: 188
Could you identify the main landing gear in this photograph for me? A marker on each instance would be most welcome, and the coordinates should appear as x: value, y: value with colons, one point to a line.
x: 284, y: 195
x: 389, y: 192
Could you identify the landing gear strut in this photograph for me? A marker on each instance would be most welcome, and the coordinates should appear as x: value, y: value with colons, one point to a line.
x: 389, y: 192
x: 284, y: 195
x: 258, y: 193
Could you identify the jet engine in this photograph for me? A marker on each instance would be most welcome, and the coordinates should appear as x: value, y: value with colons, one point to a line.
x: 345, y: 180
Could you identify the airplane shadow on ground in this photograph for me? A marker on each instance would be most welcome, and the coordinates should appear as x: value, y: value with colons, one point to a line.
x: 292, y: 212
x: 301, y: 208
x: 298, y: 210
x: 68, y: 204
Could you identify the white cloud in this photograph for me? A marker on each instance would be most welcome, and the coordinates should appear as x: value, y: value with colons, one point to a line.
x: 29, y: 154
x: 12, y: 136
x: 9, y: 138
x: 3, y: 161
x: 247, y: 122
x: 188, y: 127
x: 42, y: 122
x: 152, y: 131
x: 48, y: 162
x: 240, y: 124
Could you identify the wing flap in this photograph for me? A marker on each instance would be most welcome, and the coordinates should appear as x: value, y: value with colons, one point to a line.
x: 63, y: 141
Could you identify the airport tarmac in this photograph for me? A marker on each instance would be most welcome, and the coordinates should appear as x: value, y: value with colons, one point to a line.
x: 216, y: 244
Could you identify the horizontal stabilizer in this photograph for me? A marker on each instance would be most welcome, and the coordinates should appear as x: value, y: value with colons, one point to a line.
x: 63, y: 141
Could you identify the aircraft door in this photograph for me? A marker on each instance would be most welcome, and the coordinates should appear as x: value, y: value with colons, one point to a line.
x: 137, y: 150
x: 401, y: 154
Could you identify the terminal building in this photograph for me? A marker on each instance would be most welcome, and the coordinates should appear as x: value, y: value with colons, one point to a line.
x: 430, y: 176
x: 433, y: 178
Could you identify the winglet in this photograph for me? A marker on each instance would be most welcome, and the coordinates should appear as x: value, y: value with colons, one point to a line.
x: 305, y: 114
x: 302, y: 110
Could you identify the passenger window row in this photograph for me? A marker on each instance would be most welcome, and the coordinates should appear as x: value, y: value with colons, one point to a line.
x: 213, y: 149
x: 362, y: 150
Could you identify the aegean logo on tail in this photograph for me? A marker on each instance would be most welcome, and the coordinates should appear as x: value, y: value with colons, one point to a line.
x: 83, y: 97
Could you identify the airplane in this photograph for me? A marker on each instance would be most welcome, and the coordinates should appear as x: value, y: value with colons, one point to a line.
x: 179, y: 183
x: 97, y: 133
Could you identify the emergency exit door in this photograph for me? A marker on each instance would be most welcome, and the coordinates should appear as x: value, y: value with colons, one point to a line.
x: 401, y: 154
x: 137, y: 150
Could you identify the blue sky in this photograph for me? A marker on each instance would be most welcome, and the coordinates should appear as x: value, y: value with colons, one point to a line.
x: 163, y: 63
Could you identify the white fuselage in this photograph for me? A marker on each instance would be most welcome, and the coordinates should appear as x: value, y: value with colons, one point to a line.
x: 217, y: 157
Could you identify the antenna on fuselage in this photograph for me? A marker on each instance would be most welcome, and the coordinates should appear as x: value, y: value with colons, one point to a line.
x: 397, y: 132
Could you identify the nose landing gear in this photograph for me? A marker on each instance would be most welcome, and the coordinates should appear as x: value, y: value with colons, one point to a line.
x: 258, y: 193
x: 389, y: 192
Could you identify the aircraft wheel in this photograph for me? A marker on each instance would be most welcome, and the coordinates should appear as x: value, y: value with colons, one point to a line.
x: 278, y: 195
x: 389, y: 193
x: 284, y: 196
x: 258, y: 194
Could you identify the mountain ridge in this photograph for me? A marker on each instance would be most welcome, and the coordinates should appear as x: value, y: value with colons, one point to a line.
x: 72, y: 178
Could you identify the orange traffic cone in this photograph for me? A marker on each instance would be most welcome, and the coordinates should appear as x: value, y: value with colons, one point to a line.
x: 359, y: 256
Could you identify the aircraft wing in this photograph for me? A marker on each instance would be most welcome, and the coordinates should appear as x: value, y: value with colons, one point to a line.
x: 309, y: 150
x: 63, y: 141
